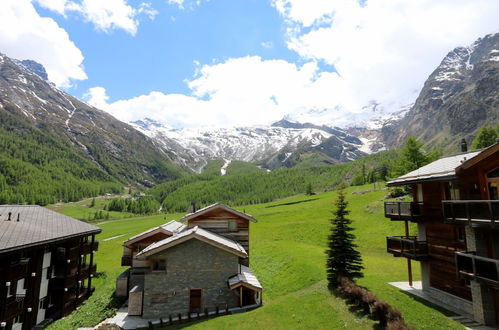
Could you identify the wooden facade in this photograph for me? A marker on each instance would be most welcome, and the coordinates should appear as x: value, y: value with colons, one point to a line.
x: 218, y: 222
x: 456, y: 211
x: 47, y: 279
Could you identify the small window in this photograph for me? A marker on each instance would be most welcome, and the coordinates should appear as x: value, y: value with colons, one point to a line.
x: 232, y: 225
x: 159, y: 265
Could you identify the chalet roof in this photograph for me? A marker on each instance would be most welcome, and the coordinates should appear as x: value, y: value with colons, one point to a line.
x: 197, y: 233
x: 171, y: 227
x: 214, y: 207
x: 245, y: 278
x: 442, y: 169
x: 446, y: 168
x: 36, y: 226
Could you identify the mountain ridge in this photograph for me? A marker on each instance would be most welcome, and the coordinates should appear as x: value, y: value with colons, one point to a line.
x: 115, y: 147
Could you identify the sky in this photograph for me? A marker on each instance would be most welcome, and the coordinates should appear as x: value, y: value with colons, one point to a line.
x: 224, y: 63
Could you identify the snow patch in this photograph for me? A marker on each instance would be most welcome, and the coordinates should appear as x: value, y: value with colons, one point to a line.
x: 223, y: 170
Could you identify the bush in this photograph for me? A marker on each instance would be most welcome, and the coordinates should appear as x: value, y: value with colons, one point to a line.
x: 398, y: 325
x: 397, y: 192
x: 380, y: 310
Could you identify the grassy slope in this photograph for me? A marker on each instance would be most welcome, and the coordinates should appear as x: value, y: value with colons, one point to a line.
x: 287, y: 253
x: 82, y: 210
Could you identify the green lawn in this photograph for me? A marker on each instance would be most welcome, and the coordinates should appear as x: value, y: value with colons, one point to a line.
x: 287, y: 254
x: 82, y: 210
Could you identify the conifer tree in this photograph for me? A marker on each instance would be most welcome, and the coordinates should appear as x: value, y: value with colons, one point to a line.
x: 486, y: 137
x: 343, y: 260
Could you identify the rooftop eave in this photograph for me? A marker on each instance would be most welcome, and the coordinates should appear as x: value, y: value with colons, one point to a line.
x: 49, y: 241
x: 408, y: 181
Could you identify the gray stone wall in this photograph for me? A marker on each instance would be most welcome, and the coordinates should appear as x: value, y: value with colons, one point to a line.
x: 483, y: 303
x: 190, y: 265
x: 453, y: 303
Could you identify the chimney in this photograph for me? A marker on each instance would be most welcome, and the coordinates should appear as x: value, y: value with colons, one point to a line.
x: 464, y: 145
x: 18, y: 215
x: 10, y: 214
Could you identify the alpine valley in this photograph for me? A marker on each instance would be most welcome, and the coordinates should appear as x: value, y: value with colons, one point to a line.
x: 47, y: 133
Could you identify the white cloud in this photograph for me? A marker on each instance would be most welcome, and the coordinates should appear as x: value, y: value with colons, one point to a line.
x: 97, y: 97
x: 267, y: 44
x: 26, y: 35
x: 106, y: 15
x: 183, y: 4
x: 238, y: 92
x: 384, y: 50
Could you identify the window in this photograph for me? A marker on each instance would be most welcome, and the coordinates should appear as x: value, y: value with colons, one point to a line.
x: 232, y: 225
x: 159, y: 265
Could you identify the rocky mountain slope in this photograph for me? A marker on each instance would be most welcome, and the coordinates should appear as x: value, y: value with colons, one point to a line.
x: 114, y: 147
x: 458, y: 98
x: 284, y: 144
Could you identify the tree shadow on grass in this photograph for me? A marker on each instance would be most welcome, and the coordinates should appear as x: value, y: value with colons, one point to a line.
x: 358, y: 310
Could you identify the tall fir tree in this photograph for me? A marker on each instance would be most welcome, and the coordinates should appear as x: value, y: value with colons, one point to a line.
x: 343, y: 260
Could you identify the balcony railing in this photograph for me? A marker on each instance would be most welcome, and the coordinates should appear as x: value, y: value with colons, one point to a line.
x: 87, y: 270
x: 473, y: 212
x: 404, y: 210
x: 89, y: 248
x: 14, y: 307
x: 126, y: 260
x: 62, y: 283
x: 481, y: 269
x: 407, y: 246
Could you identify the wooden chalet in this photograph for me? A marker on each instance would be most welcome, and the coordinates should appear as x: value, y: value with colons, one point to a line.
x: 197, y: 264
x: 456, y: 208
x: 46, y: 265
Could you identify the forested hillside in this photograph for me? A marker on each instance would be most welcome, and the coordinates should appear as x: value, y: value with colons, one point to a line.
x: 36, y: 168
x: 255, y: 186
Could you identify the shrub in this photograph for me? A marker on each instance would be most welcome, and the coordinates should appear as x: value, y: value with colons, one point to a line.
x: 397, y: 325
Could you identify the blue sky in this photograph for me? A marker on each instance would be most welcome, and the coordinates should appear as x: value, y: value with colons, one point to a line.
x: 224, y: 63
x: 163, y: 52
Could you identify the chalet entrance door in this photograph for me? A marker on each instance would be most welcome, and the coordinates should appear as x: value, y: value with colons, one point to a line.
x: 195, y: 301
x: 248, y: 297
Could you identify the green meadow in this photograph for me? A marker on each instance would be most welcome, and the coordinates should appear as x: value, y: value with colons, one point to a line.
x: 288, y: 255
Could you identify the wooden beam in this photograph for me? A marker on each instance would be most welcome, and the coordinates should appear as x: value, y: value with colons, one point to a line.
x: 240, y: 296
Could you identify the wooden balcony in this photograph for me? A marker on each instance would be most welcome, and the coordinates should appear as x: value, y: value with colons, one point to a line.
x: 17, y: 270
x: 88, y: 248
x: 407, y: 246
x: 481, y: 269
x: 475, y: 213
x: 60, y: 283
x: 14, y: 307
x: 126, y: 260
x: 400, y: 211
x: 87, y: 270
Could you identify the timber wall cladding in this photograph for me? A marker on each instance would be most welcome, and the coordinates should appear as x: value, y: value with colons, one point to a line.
x: 217, y: 221
x: 442, y: 244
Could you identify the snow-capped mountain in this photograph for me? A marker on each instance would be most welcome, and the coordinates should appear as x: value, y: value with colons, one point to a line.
x: 123, y: 153
x: 282, y: 144
x: 458, y: 98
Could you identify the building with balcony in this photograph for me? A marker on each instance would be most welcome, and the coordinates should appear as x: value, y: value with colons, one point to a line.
x: 46, y: 265
x: 456, y: 208
x: 197, y: 264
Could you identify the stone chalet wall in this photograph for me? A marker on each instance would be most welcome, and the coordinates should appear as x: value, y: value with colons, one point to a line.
x: 190, y: 265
